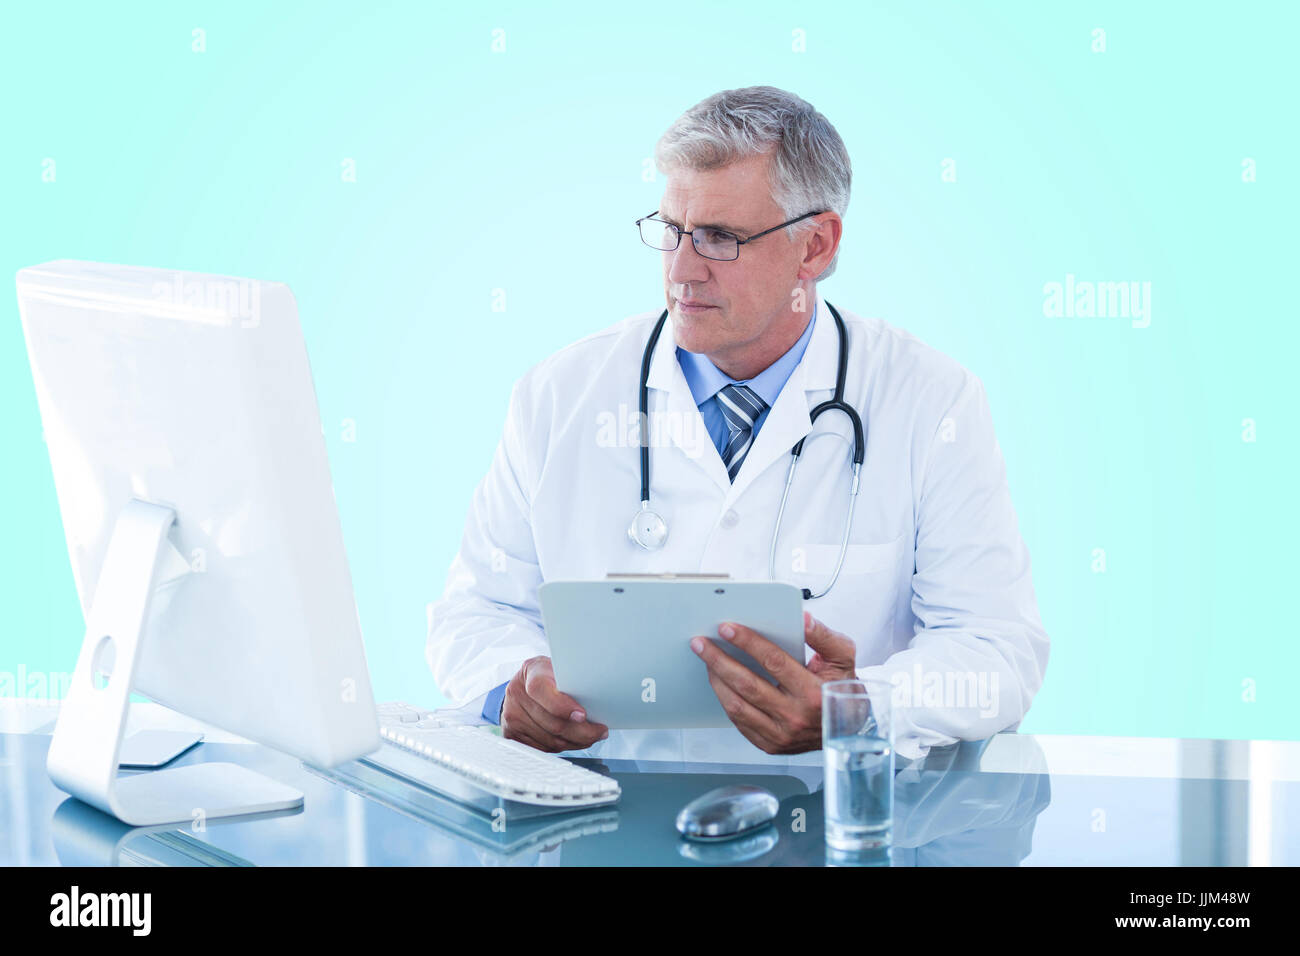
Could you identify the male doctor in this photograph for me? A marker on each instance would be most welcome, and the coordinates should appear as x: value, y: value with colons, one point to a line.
x: 934, y: 592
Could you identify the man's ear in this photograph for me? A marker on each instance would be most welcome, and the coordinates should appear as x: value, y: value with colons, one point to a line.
x: 820, y: 245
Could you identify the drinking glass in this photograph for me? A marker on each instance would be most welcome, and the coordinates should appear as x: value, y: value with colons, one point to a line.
x: 858, y: 744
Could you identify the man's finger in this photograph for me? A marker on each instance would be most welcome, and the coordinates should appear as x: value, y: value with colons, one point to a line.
x: 539, y: 684
x: 548, y: 744
x: 788, y: 672
x: 579, y: 735
x: 525, y: 728
x: 516, y: 724
x: 737, y: 676
x: 540, y: 716
x: 523, y: 737
x: 749, y: 720
x: 830, y: 645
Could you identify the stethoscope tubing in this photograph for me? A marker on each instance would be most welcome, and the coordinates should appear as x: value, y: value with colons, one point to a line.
x: 837, y: 403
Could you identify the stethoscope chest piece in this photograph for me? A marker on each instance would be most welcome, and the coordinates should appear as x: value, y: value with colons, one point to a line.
x: 648, y: 529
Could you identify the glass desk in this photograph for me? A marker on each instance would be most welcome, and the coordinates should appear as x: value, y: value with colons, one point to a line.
x: 1012, y: 800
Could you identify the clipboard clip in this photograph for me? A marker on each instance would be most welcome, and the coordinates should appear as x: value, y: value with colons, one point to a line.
x: 666, y: 576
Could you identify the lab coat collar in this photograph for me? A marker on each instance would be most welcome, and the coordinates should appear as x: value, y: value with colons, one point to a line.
x: 786, y: 423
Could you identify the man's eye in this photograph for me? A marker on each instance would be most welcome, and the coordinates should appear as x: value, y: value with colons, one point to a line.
x: 714, y: 235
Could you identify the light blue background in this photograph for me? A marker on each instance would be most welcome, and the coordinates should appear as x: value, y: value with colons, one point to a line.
x: 522, y: 171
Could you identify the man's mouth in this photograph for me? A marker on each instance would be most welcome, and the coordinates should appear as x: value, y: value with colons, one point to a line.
x: 693, y: 307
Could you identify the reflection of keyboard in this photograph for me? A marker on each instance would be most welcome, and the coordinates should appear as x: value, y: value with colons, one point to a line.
x: 417, y: 740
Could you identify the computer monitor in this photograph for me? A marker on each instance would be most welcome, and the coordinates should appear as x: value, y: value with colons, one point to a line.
x: 195, y: 491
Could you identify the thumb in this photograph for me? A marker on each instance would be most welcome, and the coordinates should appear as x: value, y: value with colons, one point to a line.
x: 829, y: 644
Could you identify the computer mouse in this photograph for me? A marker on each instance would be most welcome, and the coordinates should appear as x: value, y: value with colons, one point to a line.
x: 727, y: 812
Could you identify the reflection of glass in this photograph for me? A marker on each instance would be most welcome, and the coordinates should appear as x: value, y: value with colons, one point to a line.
x: 730, y: 852
x: 857, y: 742
x: 876, y: 856
x: 85, y: 836
x: 505, y: 831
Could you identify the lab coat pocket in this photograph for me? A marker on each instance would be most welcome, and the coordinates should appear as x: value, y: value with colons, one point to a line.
x: 864, y: 601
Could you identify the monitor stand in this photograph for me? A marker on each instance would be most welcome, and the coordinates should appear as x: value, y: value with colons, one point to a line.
x: 86, y: 748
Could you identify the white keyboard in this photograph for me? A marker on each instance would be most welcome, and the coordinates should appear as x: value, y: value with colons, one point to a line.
x: 505, y: 768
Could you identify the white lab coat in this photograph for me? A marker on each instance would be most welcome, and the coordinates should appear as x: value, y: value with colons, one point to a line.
x: 935, y: 589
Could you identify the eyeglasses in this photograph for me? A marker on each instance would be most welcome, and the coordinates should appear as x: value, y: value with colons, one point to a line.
x: 709, y: 242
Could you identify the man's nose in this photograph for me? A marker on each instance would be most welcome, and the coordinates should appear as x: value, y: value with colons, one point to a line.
x: 685, y: 265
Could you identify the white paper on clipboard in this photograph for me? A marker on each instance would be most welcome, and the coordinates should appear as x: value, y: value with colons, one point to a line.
x: 621, y: 646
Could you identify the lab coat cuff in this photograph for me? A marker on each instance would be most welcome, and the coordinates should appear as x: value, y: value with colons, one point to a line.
x: 912, y: 741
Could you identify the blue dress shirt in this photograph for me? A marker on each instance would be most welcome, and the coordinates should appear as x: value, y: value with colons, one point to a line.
x: 705, y: 380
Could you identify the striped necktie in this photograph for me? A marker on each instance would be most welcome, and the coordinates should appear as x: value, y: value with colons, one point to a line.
x: 741, y: 407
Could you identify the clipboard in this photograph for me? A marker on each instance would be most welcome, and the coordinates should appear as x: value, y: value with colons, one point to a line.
x: 621, y: 646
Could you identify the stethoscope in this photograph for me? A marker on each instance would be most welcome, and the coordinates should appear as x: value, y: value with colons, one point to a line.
x: 648, y: 528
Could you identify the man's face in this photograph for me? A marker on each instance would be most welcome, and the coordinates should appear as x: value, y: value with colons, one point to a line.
x: 747, y: 296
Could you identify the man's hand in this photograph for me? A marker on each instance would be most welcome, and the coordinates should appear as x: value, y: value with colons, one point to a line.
x: 536, y: 713
x: 787, y: 718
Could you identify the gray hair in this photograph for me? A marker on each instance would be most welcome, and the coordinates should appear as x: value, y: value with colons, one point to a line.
x: 809, y: 169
